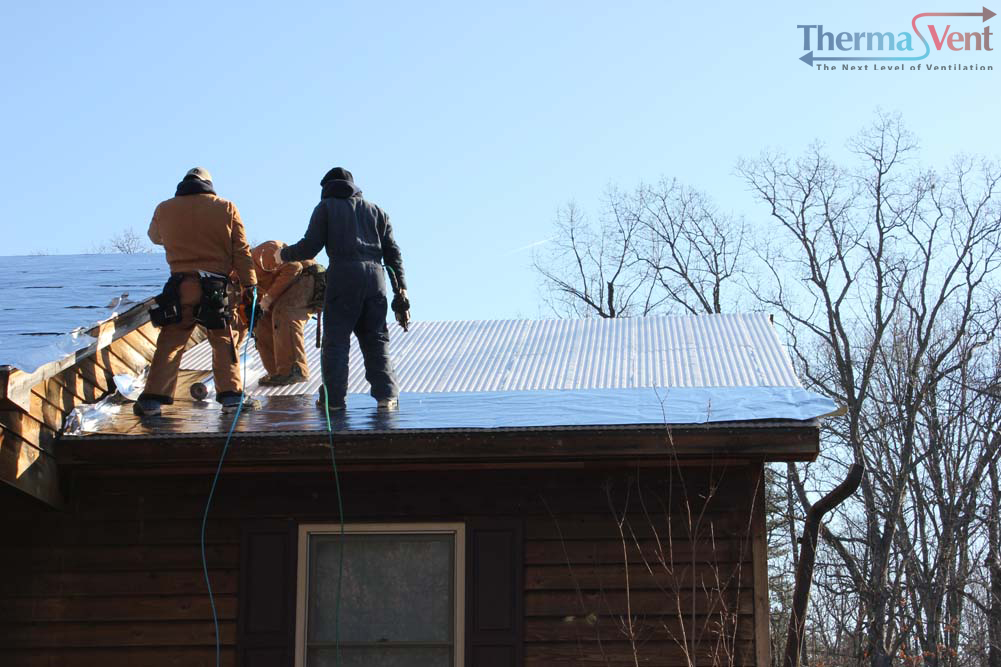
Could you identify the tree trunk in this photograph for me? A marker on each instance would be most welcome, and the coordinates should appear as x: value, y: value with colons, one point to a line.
x: 879, y: 599
x: 994, y: 565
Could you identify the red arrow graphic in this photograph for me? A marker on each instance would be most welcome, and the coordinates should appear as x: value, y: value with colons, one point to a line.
x: 986, y: 14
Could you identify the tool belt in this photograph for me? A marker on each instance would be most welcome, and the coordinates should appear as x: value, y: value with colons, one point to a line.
x: 319, y: 274
x: 166, y: 308
x: 213, y: 311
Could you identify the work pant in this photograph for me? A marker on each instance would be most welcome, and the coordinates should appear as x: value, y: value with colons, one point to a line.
x: 170, y: 345
x: 356, y: 302
x: 279, y: 333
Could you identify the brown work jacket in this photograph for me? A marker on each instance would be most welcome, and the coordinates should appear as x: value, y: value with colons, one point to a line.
x: 274, y: 281
x: 202, y: 232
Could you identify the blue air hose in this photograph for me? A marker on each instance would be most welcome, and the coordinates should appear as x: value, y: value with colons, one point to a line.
x: 340, y: 509
x: 215, y: 481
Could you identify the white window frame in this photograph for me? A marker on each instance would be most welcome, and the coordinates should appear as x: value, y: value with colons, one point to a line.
x: 457, y: 530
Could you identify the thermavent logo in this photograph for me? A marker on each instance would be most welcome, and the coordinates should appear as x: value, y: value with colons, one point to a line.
x: 931, y: 33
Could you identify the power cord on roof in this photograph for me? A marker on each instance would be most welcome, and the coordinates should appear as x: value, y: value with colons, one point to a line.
x: 215, y: 480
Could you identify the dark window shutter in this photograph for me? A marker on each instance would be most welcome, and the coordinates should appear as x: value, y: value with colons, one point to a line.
x: 266, y: 622
x: 494, y: 588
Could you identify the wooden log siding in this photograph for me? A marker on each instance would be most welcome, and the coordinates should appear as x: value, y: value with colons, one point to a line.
x: 116, y: 578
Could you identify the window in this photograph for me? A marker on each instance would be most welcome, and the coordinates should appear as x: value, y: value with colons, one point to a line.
x: 401, y: 595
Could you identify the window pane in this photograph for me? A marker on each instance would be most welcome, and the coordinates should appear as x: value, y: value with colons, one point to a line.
x: 396, y: 587
x: 380, y: 657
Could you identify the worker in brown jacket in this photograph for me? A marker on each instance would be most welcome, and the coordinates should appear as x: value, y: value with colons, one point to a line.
x: 285, y: 293
x: 204, y: 240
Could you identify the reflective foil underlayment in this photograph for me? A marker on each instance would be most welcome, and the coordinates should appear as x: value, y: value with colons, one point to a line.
x: 477, y: 411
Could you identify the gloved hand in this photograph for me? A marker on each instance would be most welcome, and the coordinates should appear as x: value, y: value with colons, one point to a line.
x: 266, y: 302
x: 278, y: 257
x: 247, y: 297
x: 401, y: 309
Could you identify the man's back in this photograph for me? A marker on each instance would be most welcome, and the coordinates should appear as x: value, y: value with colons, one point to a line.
x: 352, y: 228
x: 356, y: 227
x: 271, y: 278
x: 202, y: 232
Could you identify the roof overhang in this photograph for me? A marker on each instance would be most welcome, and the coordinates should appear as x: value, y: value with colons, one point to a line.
x: 509, y: 447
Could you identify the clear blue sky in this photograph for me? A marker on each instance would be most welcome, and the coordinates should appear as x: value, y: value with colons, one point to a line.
x: 469, y: 122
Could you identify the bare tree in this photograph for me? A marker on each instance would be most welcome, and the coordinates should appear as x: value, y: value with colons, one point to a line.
x: 661, y: 248
x: 883, y: 277
x: 592, y: 269
x: 127, y: 242
x: 695, y: 251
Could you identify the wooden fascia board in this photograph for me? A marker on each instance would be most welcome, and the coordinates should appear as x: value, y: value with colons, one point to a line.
x: 537, y: 448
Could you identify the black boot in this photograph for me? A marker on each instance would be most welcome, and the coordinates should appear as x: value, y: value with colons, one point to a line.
x: 321, y: 401
x: 234, y: 402
x: 146, y: 407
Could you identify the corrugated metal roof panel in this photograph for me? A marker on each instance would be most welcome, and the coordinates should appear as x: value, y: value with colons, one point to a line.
x: 707, y: 351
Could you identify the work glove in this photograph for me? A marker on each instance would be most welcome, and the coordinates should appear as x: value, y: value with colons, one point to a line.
x: 247, y: 299
x: 247, y: 294
x: 401, y: 309
x: 250, y: 310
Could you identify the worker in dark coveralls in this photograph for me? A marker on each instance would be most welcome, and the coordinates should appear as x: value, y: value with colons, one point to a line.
x: 358, y: 239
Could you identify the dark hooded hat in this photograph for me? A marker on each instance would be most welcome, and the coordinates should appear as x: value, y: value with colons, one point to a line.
x: 338, y: 182
x: 337, y: 173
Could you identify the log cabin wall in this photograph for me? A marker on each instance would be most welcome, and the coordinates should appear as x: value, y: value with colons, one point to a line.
x: 619, y: 566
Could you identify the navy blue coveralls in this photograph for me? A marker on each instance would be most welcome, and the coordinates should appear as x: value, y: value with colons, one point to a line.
x: 358, y: 239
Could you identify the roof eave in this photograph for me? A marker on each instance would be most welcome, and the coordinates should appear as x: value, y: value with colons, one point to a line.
x: 554, y: 446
